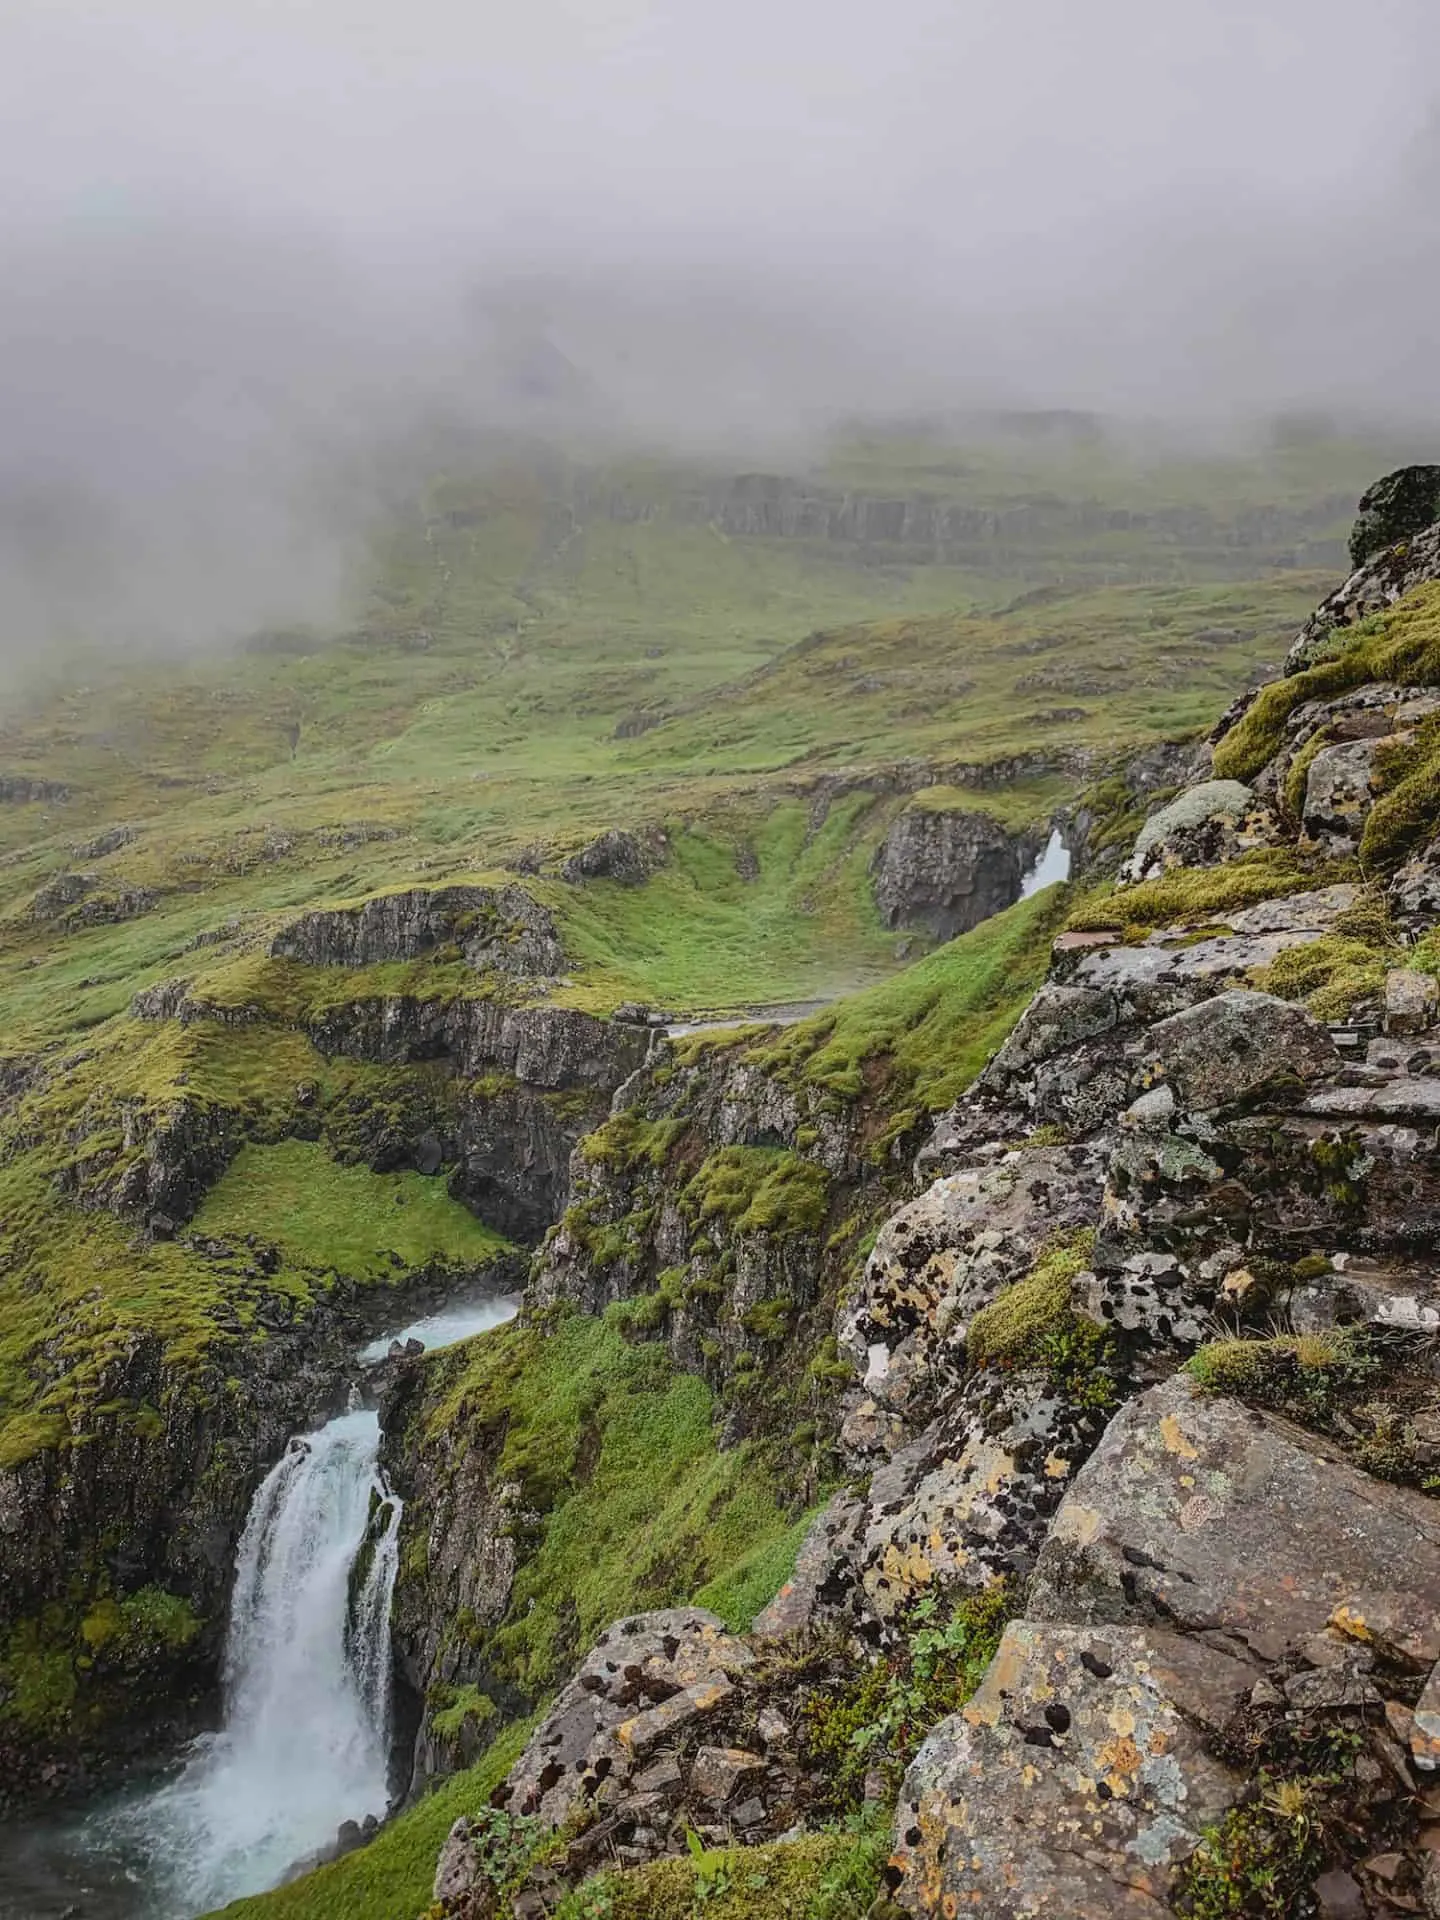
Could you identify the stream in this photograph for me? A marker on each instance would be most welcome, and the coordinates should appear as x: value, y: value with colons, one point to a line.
x: 304, y: 1741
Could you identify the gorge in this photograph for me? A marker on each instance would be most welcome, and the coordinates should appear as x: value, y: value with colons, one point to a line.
x: 788, y: 1389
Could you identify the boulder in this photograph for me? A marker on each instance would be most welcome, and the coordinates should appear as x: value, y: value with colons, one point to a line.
x: 1402, y: 504
x: 1218, y: 1519
x: 943, y: 871
x: 1235, y: 1046
x: 1339, y: 794
x: 1075, y: 1783
x: 944, y: 1256
x: 645, y: 1679
x: 1410, y: 1001
x: 1202, y: 827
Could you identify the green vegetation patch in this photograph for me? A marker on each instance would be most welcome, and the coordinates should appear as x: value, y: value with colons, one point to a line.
x: 878, y: 1721
x: 635, y: 1506
x: 926, y: 1033
x: 1199, y: 894
x: 323, y: 1214
x: 759, y: 1190
x: 830, y: 1875
x: 392, y: 1877
x: 1401, y: 645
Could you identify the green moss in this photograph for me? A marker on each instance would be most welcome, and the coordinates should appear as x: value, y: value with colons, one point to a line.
x: 1402, y: 645
x: 830, y: 1875
x: 459, y: 1708
x: 1010, y: 1330
x: 391, y: 1879
x: 1203, y: 893
x: 1407, y: 813
x: 758, y: 1190
x: 39, y: 1674
x: 628, y: 1140
x: 769, y: 1320
x: 1330, y: 975
x: 140, y: 1625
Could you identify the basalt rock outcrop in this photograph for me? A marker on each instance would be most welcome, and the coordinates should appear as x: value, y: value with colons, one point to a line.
x: 502, y: 930
x: 943, y: 870
x: 1151, y: 1354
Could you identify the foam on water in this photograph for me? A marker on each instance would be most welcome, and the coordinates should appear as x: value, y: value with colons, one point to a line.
x: 444, y: 1328
x: 305, y: 1740
x: 1052, y: 865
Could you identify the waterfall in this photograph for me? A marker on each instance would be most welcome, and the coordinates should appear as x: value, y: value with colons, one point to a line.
x: 305, y: 1740
x: 1052, y: 864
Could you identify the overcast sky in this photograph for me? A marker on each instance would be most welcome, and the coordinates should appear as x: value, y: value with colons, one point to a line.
x: 233, y: 232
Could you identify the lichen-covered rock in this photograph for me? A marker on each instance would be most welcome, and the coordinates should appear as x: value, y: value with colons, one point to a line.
x: 1339, y: 793
x: 1234, y: 1047
x: 1414, y: 892
x: 645, y: 1678
x: 944, y: 870
x: 969, y: 1501
x: 1202, y: 827
x: 1404, y: 503
x: 824, y: 1570
x: 946, y: 1255
x: 495, y: 929
x: 1387, y: 576
x: 1075, y: 1783
x: 1411, y: 1001
x: 1220, y: 1520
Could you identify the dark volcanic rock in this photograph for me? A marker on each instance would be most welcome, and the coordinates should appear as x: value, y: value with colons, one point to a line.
x: 945, y: 871
x: 493, y: 928
x: 1403, y: 503
x: 627, y: 858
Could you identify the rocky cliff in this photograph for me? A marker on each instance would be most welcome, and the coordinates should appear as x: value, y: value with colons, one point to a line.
x: 1146, y: 1368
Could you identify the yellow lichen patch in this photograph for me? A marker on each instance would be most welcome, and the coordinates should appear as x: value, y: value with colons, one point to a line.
x: 1075, y: 1525
x: 1174, y: 1438
x: 1350, y: 1621
x: 1056, y: 1466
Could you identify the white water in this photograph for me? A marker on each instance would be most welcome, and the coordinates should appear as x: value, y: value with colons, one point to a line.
x: 1052, y: 865
x: 444, y: 1328
x: 305, y: 1741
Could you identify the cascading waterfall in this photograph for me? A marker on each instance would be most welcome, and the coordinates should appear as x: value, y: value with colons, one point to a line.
x: 305, y: 1740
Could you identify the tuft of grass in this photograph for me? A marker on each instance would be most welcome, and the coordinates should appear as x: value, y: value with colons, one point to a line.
x: 1012, y: 1329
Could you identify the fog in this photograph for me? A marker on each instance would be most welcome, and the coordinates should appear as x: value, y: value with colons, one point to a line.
x: 255, y: 254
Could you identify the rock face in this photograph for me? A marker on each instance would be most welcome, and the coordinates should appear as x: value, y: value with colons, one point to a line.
x: 1075, y: 1782
x: 945, y: 870
x: 627, y: 858
x: 498, y: 929
x: 1404, y: 503
x: 1216, y: 1519
x: 1387, y: 576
